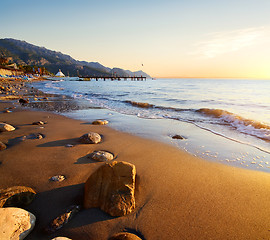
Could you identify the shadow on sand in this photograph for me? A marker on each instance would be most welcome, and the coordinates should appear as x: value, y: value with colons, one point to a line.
x: 50, y: 204
x: 60, y: 143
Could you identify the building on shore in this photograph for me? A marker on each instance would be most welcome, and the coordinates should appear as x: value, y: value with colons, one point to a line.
x: 60, y: 74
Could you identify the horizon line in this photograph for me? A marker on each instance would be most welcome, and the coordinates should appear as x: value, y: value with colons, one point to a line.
x: 251, y: 78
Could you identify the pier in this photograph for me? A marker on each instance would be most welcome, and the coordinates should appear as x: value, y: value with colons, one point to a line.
x: 112, y: 78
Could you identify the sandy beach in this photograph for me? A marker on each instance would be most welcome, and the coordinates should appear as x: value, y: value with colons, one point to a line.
x: 178, y: 196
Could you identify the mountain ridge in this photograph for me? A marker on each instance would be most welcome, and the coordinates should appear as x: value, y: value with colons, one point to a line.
x: 24, y: 53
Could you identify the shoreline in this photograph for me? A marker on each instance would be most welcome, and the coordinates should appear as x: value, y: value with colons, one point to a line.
x: 230, y: 150
x: 178, y: 196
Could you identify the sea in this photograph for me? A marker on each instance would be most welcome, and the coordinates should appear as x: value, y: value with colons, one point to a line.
x: 221, y: 120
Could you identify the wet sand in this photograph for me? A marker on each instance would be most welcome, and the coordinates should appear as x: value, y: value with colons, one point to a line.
x: 178, y: 196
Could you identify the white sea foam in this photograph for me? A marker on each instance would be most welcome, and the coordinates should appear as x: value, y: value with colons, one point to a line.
x: 241, y: 124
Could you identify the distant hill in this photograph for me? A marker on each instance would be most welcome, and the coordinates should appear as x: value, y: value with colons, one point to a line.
x: 23, y: 53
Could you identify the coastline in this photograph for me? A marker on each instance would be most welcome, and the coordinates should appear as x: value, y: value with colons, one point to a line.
x: 223, y: 139
x: 178, y: 196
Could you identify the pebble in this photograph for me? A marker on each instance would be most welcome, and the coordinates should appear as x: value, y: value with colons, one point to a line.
x: 90, y: 138
x: 7, y: 111
x: 69, y: 145
x: 58, y: 178
x: 4, y: 127
x: 63, y: 219
x: 101, y: 156
x: 100, y: 122
x: 177, y: 137
x: 38, y: 123
x: 38, y: 136
x: 2, y: 146
x: 23, y: 101
x: 61, y: 238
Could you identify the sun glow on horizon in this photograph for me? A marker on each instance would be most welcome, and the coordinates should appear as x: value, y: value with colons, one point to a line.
x: 207, y: 40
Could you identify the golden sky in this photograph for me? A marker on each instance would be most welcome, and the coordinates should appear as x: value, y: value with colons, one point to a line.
x: 171, y: 38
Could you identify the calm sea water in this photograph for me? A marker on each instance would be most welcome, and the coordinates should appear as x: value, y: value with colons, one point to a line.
x: 225, y: 119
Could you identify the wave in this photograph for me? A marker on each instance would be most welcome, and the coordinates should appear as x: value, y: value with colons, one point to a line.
x: 140, y: 104
x: 243, y: 125
x: 149, y: 105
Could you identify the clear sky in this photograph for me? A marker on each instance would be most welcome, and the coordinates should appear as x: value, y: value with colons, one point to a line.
x: 171, y: 38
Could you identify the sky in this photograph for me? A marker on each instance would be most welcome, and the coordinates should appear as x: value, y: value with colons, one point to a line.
x: 164, y: 38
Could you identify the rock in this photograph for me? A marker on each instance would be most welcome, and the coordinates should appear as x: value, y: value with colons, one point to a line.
x: 101, y: 156
x: 178, y: 137
x: 69, y: 145
x: 38, y: 123
x: 15, y: 223
x: 111, y: 188
x: 23, y: 101
x: 100, y: 122
x: 4, y: 127
x: 7, y: 111
x: 90, y: 137
x: 57, y: 178
x: 38, y: 136
x: 61, y: 238
x: 124, y: 236
x: 23, y: 138
x: 16, y: 196
x: 2, y: 146
x: 63, y: 219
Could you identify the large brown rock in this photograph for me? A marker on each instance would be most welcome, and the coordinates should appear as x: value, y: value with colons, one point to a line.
x: 15, y: 223
x: 90, y: 137
x: 16, y: 196
x: 125, y: 236
x: 111, y: 188
x: 4, y: 127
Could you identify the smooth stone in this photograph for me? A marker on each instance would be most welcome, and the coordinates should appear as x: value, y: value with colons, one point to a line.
x: 23, y: 101
x: 90, y: 137
x: 2, y: 146
x: 101, y: 156
x: 7, y: 111
x: 124, y: 236
x: 38, y: 136
x: 15, y: 223
x: 178, y: 137
x: 100, y: 122
x: 4, y: 127
x: 111, y: 188
x: 61, y: 238
x: 57, y: 178
x: 69, y: 145
x: 16, y: 196
x: 38, y: 123
x: 63, y: 219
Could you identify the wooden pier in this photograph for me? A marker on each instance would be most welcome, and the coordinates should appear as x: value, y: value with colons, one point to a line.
x: 112, y: 78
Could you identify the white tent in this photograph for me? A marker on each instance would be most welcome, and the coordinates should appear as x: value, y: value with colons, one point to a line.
x: 60, y: 74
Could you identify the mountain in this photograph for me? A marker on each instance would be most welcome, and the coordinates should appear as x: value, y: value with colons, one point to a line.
x: 23, y: 53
